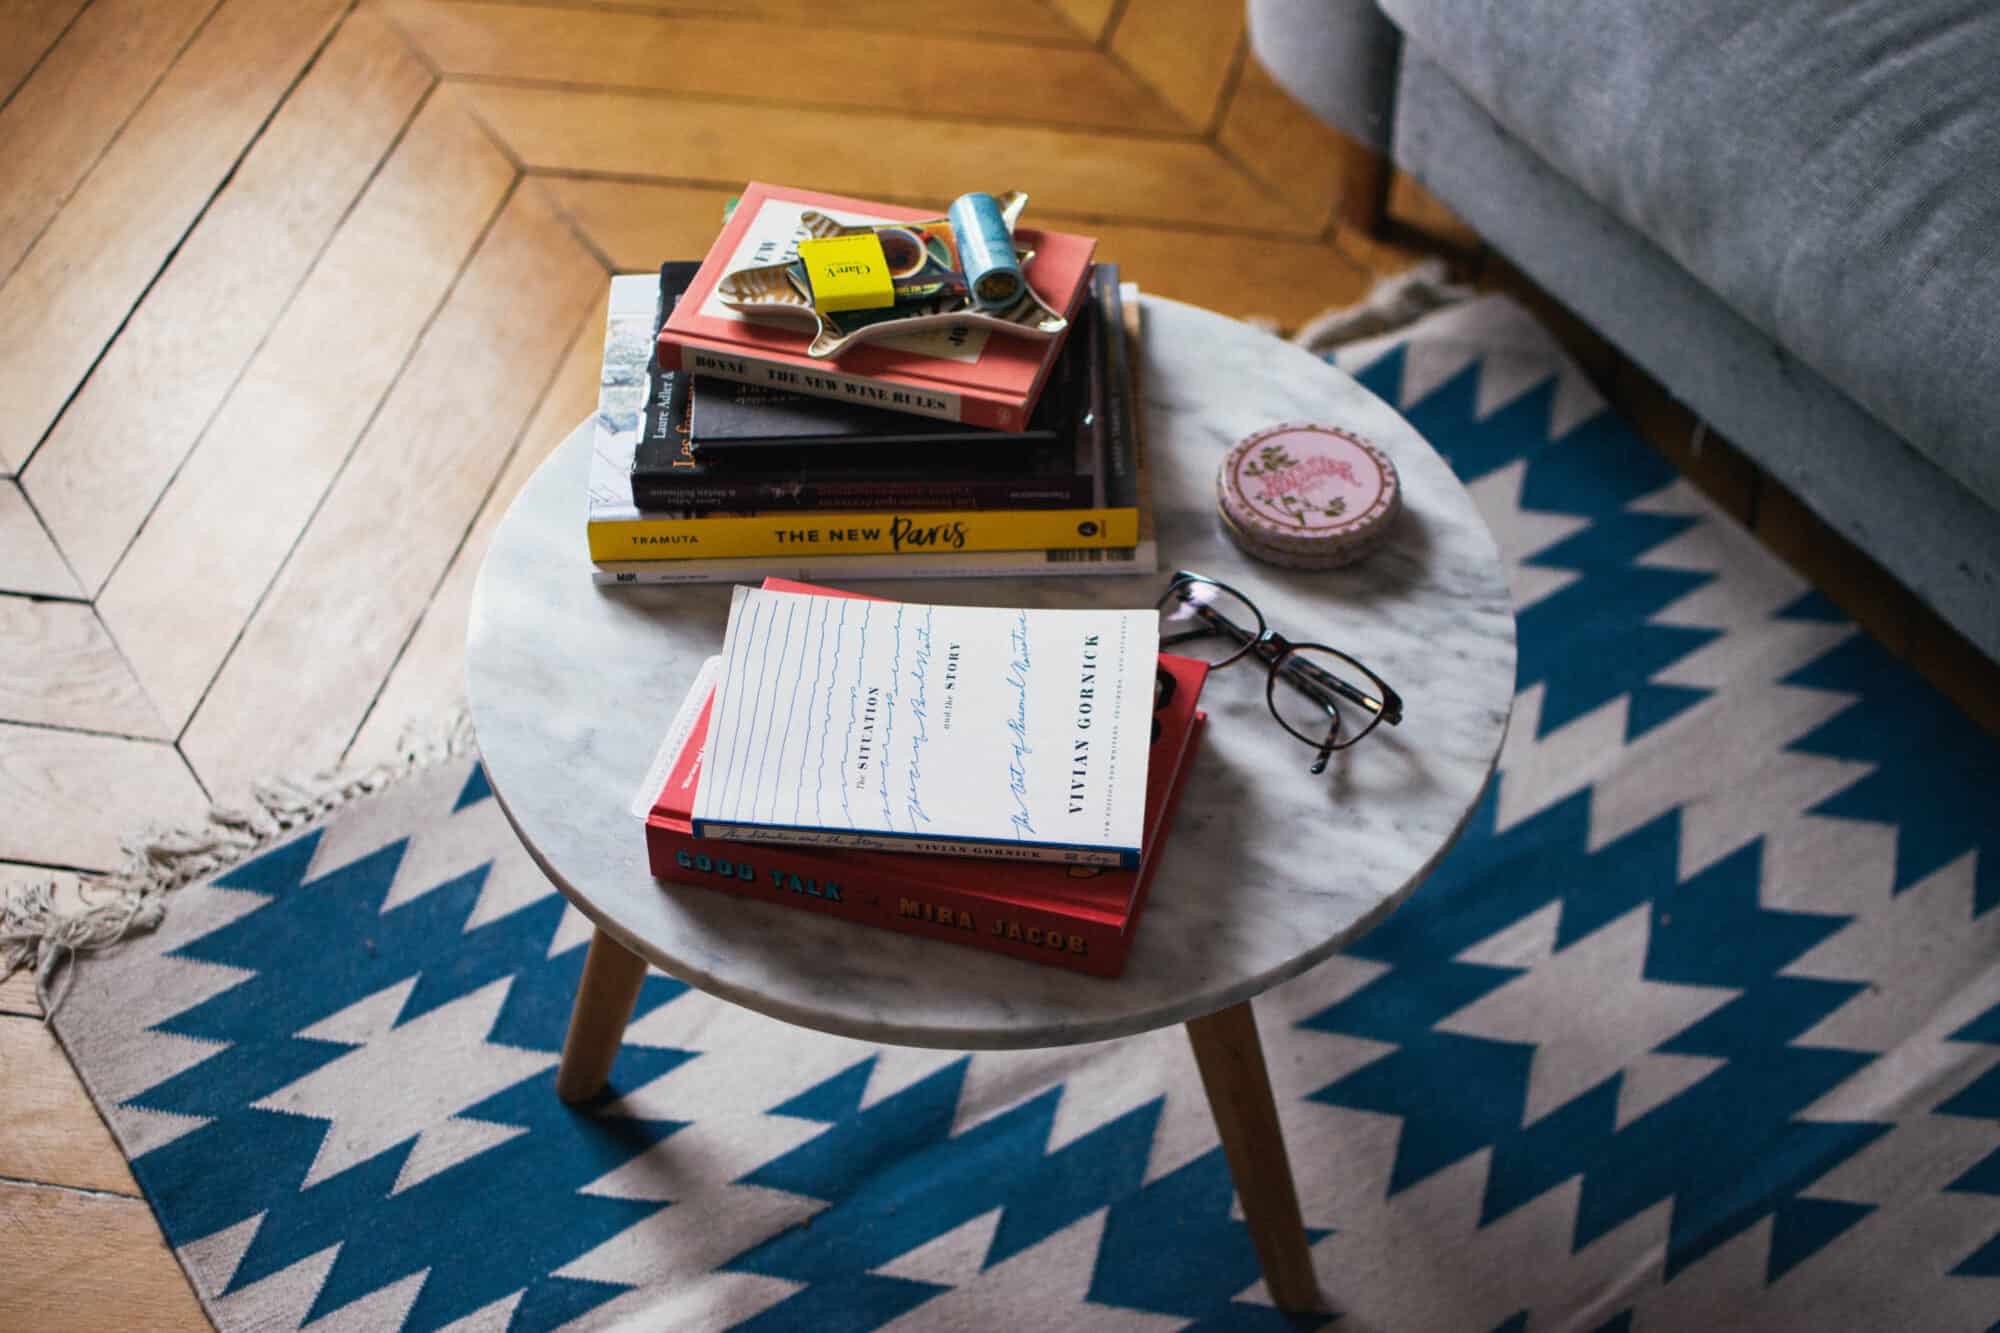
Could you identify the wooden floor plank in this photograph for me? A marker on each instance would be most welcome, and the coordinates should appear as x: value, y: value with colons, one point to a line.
x: 69, y: 296
x: 1412, y: 205
x: 637, y: 226
x: 49, y: 1131
x: 58, y: 668
x: 69, y: 798
x: 428, y: 680
x: 1416, y: 226
x: 1183, y: 49
x: 89, y: 1263
x: 697, y: 141
x: 197, y: 569
x: 1287, y: 146
x: 53, y: 131
x: 116, y: 447
x: 1089, y: 17
x: 29, y: 561
x: 28, y: 28
x: 1018, y: 19
x: 1289, y: 281
x: 916, y: 71
x: 377, y: 549
x: 17, y: 996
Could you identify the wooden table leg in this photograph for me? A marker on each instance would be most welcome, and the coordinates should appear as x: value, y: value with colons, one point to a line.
x: 612, y: 975
x: 1239, y: 1093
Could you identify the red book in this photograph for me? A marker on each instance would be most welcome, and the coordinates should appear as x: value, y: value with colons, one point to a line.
x: 1077, y: 917
x: 975, y: 376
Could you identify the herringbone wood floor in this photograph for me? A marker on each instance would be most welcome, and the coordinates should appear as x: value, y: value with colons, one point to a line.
x: 295, y: 294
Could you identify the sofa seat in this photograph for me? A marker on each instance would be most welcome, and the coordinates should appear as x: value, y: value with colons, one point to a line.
x: 1830, y: 172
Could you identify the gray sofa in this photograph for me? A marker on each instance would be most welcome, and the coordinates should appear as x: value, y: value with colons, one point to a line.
x: 1789, y: 214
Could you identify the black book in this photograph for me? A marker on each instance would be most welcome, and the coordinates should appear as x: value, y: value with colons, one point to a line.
x: 1121, y: 453
x: 731, y: 418
x: 934, y: 465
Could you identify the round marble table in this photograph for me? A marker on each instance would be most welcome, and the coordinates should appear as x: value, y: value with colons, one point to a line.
x: 1267, y: 870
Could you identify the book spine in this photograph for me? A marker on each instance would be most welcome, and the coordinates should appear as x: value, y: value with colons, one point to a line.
x: 966, y: 406
x: 719, y: 495
x: 663, y: 422
x: 885, y: 532
x: 856, y: 841
x: 875, y: 898
x: 1090, y: 427
x: 1094, y: 562
x: 1121, y: 473
x: 768, y: 430
x: 662, y: 443
x: 1166, y: 821
x: 962, y: 448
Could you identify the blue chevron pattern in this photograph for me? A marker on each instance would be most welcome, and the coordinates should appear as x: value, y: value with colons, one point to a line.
x: 1596, y: 639
x: 1625, y: 1061
x: 1931, y: 775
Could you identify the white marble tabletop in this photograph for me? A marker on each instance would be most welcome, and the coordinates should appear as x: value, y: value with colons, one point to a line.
x: 1267, y: 869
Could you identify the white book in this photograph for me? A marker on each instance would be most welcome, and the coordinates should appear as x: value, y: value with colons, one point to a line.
x: 892, y: 726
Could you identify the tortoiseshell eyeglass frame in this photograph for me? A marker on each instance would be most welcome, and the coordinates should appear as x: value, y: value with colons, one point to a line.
x: 1288, y: 662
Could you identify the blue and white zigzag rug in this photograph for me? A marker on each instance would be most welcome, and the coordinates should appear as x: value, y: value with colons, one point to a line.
x: 1699, y: 1027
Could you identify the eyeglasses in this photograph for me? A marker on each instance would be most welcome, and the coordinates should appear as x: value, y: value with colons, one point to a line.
x: 1317, y: 680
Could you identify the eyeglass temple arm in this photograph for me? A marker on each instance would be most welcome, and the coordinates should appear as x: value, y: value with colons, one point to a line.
x: 1317, y: 683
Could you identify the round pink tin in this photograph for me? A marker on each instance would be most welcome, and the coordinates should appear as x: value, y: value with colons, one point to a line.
x: 1307, y: 496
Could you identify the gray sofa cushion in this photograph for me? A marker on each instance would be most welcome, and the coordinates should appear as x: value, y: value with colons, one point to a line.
x: 1830, y: 171
x: 1923, y: 526
x: 1336, y: 56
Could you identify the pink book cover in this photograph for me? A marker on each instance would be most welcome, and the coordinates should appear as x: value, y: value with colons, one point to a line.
x: 961, y: 374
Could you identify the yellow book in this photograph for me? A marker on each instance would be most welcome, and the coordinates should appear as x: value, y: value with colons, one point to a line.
x: 889, y: 532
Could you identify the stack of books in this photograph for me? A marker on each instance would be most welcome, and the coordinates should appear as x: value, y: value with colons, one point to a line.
x: 1002, y: 779
x: 723, y: 453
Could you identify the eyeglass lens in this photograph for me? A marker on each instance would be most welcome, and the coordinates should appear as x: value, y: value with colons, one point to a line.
x: 1208, y: 621
x: 1324, y: 697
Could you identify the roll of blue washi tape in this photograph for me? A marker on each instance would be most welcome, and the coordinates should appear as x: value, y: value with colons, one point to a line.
x: 986, y: 250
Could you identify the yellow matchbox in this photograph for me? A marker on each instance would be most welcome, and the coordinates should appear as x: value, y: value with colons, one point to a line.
x: 848, y: 272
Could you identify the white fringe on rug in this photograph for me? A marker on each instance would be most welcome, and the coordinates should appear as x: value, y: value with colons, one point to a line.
x: 1392, y: 303
x: 38, y: 931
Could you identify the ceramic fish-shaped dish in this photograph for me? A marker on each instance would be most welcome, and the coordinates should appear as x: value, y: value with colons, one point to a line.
x: 931, y: 290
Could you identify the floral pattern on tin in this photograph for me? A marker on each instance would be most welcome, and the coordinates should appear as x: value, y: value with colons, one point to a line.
x: 1318, y: 494
x: 1272, y: 463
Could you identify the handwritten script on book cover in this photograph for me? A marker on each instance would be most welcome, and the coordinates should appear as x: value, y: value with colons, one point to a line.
x: 931, y: 723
